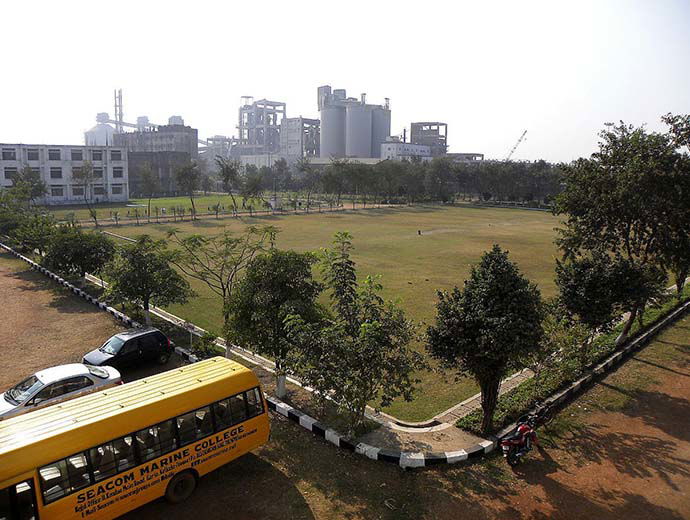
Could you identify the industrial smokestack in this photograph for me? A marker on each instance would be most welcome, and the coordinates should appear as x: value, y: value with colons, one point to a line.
x: 364, y: 98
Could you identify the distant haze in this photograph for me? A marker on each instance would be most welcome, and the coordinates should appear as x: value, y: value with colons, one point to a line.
x: 490, y: 69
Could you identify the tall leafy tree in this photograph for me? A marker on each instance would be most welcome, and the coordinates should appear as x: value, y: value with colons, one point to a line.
x: 73, y: 251
x: 276, y: 285
x: 141, y: 273
x: 363, y: 353
x: 489, y: 328
x: 218, y: 260
x: 84, y: 176
x: 188, y: 178
x: 35, y: 232
x: 230, y: 176
x: 27, y: 186
x: 150, y: 185
x: 619, y: 203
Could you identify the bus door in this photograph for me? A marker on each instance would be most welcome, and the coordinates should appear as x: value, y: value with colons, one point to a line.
x: 18, y: 502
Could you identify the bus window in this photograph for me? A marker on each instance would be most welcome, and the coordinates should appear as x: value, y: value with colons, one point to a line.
x: 17, y: 502
x: 254, y: 402
x: 156, y: 440
x: 64, y: 476
x: 195, y: 425
x: 222, y: 411
x: 103, y: 461
x: 124, y: 452
x: 238, y: 409
x: 25, y: 501
x: 5, y: 508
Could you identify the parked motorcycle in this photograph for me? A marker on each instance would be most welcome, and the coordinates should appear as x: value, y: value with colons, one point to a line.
x: 520, y: 443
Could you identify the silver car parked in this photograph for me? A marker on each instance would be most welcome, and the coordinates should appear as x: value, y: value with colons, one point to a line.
x: 55, y: 385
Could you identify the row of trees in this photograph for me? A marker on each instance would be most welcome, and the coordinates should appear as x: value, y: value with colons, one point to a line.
x: 394, y: 181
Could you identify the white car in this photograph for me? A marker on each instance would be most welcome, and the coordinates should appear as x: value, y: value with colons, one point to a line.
x: 55, y: 385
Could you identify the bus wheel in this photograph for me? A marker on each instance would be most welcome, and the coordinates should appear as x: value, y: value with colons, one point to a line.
x: 180, y: 487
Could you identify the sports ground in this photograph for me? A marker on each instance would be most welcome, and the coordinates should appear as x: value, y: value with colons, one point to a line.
x: 416, y: 250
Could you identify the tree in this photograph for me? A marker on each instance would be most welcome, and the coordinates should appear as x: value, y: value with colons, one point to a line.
x: 275, y: 285
x: 622, y: 203
x: 253, y: 184
x: 84, y: 176
x: 73, y: 251
x: 35, y: 232
x: 312, y: 177
x: 217, y: 260
x: 230, y: 175
x: 27, y: 186
x: 150, y: 185
x: 589, y: 292
x: 362, y: 354
x: 206, y: 184
x: 188, y: 178
x: 141, y: 273
x: 488, y: 328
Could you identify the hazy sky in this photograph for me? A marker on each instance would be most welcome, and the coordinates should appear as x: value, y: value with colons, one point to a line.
x: 489, y: 69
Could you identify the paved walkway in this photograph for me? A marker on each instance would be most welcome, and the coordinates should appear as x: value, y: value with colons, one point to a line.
x: 466, y: 407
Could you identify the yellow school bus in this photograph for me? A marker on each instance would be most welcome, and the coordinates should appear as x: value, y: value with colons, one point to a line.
x: 106, y: 453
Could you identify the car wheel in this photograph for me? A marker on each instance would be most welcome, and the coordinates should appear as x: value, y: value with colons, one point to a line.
x: 163, y: 358
x: 180, y: 487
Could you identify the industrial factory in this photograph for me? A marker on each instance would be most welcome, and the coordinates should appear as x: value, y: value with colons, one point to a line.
x: 347, y: 128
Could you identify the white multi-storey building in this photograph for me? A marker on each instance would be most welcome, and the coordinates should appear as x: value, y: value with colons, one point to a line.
x: 56, y: 163
x: 396, y: 150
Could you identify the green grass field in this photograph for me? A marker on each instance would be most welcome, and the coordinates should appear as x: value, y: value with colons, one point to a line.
x: 412, y: 267
x: 203, y: 206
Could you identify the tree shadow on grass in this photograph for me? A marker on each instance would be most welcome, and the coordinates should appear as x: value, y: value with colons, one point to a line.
x: 63, y: 299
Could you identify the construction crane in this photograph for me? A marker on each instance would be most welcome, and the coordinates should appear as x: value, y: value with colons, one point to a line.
x: 512, y: 150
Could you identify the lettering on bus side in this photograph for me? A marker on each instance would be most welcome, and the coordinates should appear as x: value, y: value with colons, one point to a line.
x: 158, y: 471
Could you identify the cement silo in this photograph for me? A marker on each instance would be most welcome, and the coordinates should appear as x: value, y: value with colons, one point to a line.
x: 349, y: 126
x: 358, y: 130
x: 101, y: 134
x: 380, y: 128
x: 332, y: 131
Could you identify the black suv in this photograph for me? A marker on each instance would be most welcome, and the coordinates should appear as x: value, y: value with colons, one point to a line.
x: 131, y: 348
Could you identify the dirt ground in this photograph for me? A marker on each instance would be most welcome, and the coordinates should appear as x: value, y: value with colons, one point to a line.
x: 42, y: 324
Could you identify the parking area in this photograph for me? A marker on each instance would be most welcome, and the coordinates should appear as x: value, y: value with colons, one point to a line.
x: 45, y: 325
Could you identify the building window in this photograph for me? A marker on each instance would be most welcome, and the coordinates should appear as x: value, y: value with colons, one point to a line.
x: 76, y: 171
x: 57, y: 191
x: 117, y: 189
x: 56, y: 173
x: 54, y: 155
x: 9, y: 154
x: 97, y: 155
x: 115, y: 155
x: 78, y: 191
x: 36, y: 171
x: 10, y: 172
x: 98, y: 173
x: 77, y: 155
x: 98, y: 190
x: 32, y: 154
x: 117, y: 172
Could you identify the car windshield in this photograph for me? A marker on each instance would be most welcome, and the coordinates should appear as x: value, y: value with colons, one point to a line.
x: 112, y: 346
x: 21, y: 392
